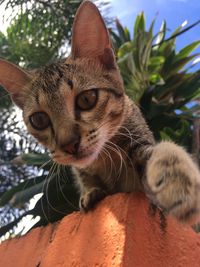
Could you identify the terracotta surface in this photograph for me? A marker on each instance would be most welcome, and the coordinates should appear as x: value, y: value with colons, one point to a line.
x: 121, y: 231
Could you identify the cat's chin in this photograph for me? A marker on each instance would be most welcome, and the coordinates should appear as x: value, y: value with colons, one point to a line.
x: 78, y: 162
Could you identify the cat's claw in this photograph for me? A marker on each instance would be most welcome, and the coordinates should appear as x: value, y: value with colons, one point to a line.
x: 173, y: 182
x: 89, y: 199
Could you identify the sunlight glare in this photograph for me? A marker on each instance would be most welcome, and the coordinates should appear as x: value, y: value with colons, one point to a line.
x: 184, y: 23
x: 4, y: 20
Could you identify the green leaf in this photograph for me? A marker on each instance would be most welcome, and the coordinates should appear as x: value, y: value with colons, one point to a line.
x: 164, y: 136
x: 139, y: 25
x: 186, y: 51
x: 151, y: 28
x: 156, y: 60
x: 127, y: 34
x: 19, y: 199
x: 161, y: 34
x: 156, y: 79
x: 8, y: 195
x: 190, y: 87
x: 35, y: 159
x: 120, y: 30
x: 124, y: 49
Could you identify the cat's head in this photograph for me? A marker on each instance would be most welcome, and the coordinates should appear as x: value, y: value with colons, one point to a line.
x: 75, y: 106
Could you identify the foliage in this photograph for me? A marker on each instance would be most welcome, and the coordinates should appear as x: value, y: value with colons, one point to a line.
x: 41, y: 31
x: 155, y: 76
x: 39, y: 26
x: 11, y: 174
x: 159, y: 78
x: 59, y: 196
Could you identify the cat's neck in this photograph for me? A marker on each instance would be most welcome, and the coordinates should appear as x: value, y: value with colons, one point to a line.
x: 133, y: 126
x: 120, y: 152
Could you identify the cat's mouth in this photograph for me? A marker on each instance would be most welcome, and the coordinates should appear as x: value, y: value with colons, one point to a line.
x: 82, y: 159
x: 85, y: 156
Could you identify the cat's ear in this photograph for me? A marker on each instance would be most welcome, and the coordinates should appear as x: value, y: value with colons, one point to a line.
x: 13, y: 79
x: 90, y: 37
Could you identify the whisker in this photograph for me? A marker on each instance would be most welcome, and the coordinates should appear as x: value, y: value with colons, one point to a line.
x: 104, y: 150
x: 129, y: 159
x: 120, y: 156
x: 48, y: 182
x: 118, y: 149
x: 60, y: 186
x: 45, y: 163
x: 122, y: 160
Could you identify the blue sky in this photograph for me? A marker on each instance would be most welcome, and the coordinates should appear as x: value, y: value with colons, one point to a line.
x: 175, y: 12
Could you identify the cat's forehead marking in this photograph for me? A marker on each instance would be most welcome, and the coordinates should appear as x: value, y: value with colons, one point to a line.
x: 52, y: 75
x: 53, y: 87
x: 70, y: 83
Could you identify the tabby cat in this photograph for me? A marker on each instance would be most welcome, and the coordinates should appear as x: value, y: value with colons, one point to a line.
x: 78, y: 109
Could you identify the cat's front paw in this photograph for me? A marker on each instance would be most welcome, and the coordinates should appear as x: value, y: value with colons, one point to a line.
x: 173, y: 182
x: 90, y: 198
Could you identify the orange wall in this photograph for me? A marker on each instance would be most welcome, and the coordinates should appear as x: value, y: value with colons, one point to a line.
x: 121, y: 231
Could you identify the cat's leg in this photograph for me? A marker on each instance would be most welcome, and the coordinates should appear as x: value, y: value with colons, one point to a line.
x: 91, y: 190
x: 173, y: 181
x: 90, y: 197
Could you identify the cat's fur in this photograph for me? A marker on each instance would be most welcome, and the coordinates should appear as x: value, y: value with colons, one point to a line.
x: 109, y: 145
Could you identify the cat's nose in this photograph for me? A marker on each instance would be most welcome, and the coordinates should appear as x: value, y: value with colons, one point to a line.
x: 72, y: 146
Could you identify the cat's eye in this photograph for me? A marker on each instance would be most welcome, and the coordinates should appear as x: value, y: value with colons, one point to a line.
x: 39, y: 120
x: 86, y: 100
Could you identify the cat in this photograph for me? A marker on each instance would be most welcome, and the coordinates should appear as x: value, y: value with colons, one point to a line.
x: 78, y: 109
